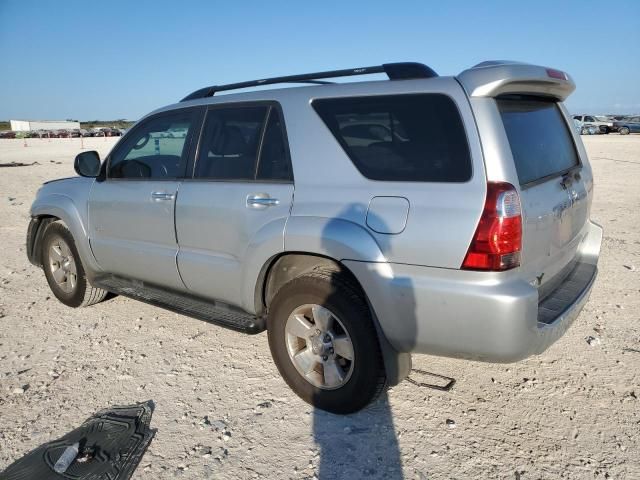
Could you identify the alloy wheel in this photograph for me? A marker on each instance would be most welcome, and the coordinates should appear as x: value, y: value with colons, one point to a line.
x: 319, y: 346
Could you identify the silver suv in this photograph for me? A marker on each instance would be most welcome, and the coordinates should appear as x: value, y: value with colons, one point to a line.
x: 357, y: 223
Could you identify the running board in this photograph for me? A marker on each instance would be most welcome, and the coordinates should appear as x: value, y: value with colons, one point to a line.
x: 185, y: 304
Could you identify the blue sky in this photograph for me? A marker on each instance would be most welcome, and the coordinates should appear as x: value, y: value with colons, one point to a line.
x: 121, y: 59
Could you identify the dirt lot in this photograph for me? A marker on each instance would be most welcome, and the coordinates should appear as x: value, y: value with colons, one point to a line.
x: 224, y: 412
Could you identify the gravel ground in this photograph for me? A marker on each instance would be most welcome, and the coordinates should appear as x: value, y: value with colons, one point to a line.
x: 224, y: 412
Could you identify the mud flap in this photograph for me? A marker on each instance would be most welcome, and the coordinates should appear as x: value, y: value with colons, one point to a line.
x: 397, y: 365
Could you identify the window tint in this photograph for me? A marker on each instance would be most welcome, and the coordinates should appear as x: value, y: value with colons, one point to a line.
x: 157, y: 148
x: 230, y: 142
x: 539, y: 137
x: 589, y: 119
x: 274, y: 159
x: 417, y: 138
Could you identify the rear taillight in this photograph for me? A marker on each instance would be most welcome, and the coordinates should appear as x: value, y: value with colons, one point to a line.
x: 497, y: 242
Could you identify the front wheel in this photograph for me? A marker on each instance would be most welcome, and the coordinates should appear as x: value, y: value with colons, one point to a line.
x: 624, y: 131
x: 324, y: 342
x: 63, y: 268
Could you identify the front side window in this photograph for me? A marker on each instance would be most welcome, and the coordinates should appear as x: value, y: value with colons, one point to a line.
x: 403, y: 138
x: 156, y: 149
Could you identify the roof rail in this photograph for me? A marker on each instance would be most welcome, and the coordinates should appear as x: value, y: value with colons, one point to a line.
x: 395, y: 71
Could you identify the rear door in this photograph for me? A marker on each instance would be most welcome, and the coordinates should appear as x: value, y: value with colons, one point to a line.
x: 242, y: 184
x: 555, y: 188
x: 131, y: 212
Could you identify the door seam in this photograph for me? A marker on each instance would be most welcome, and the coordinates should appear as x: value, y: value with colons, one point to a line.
x: 175, y: 232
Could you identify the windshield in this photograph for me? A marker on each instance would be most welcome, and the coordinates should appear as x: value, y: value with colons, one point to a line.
x: 539, y: 137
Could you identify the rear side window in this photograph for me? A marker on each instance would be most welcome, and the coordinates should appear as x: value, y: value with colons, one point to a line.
x: 403, y: 138
x: 230, y: 141
x: 539, y: 137
x: 244, y: 143
x: 274, y: 156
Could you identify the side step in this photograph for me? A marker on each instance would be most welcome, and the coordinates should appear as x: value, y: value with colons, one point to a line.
x: 185, y: 304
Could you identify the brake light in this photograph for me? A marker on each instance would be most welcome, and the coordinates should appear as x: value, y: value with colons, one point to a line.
x: 560, y: 75
x: 497, y: 242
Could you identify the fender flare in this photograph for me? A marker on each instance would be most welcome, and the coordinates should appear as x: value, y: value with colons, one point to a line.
x: 333, y: 238
x: 329, y: 239
x: 62, y: 207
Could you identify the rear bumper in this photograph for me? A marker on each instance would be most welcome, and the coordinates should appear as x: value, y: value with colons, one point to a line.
x: 494, y: 317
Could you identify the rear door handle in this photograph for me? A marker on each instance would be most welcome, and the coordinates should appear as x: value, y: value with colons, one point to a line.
x: 261, y: 201
x: 158, y: 196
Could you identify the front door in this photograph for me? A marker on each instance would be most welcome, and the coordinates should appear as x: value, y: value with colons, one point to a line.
x: 242, y: 185
x: 131, y: 211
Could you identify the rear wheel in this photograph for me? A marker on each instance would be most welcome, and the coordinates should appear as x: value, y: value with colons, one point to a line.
x: 624, y: 130
x: 324, y: 343
x: 63, y: 268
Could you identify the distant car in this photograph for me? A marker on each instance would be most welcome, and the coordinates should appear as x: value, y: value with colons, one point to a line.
x: 630, y: 125
x: 84, y: 132
x: 8, y: 134
x: 108, y: 132
x: 584, y: 129
x: 75, y: 133
x: 177, y: 133
x: 603, y: 123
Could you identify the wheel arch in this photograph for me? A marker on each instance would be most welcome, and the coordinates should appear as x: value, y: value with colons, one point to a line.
x: 286, y: 266
x: 56, y: 207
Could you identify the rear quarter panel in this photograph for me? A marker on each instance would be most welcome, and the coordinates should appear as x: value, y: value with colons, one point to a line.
x: 442, y: 217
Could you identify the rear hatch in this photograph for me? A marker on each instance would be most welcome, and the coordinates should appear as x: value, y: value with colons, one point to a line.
x: 555, y: 189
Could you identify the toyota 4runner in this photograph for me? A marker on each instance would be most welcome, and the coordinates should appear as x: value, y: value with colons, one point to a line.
x: 356, y: 223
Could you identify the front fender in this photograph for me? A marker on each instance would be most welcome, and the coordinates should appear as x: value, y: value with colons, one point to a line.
x: 61, y: 206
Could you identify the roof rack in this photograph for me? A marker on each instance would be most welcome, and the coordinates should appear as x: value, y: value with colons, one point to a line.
x: 395, y: 71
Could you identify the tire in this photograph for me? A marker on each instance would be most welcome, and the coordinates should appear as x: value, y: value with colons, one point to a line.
x: 624, y: 130
x: 63, y: 268
x: 584, y: 131
x: 360, y: 379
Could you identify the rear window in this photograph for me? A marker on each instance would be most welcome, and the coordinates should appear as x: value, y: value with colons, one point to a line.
x: 539, y: 137
x: 404, y: 138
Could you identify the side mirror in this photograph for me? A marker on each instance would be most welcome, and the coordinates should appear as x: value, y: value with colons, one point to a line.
x: 87, y: 164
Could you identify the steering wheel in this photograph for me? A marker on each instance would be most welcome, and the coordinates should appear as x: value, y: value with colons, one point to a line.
x: 142, y: 142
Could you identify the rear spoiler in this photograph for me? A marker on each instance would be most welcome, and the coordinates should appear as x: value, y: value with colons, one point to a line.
x: 490, y: 79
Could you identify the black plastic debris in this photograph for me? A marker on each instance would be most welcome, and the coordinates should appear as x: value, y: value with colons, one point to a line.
x: 18, y: 164
x: 111, y: 445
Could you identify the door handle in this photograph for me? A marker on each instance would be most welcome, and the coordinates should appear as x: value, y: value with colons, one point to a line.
x: 261, y: 201
x: 157, y: 196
